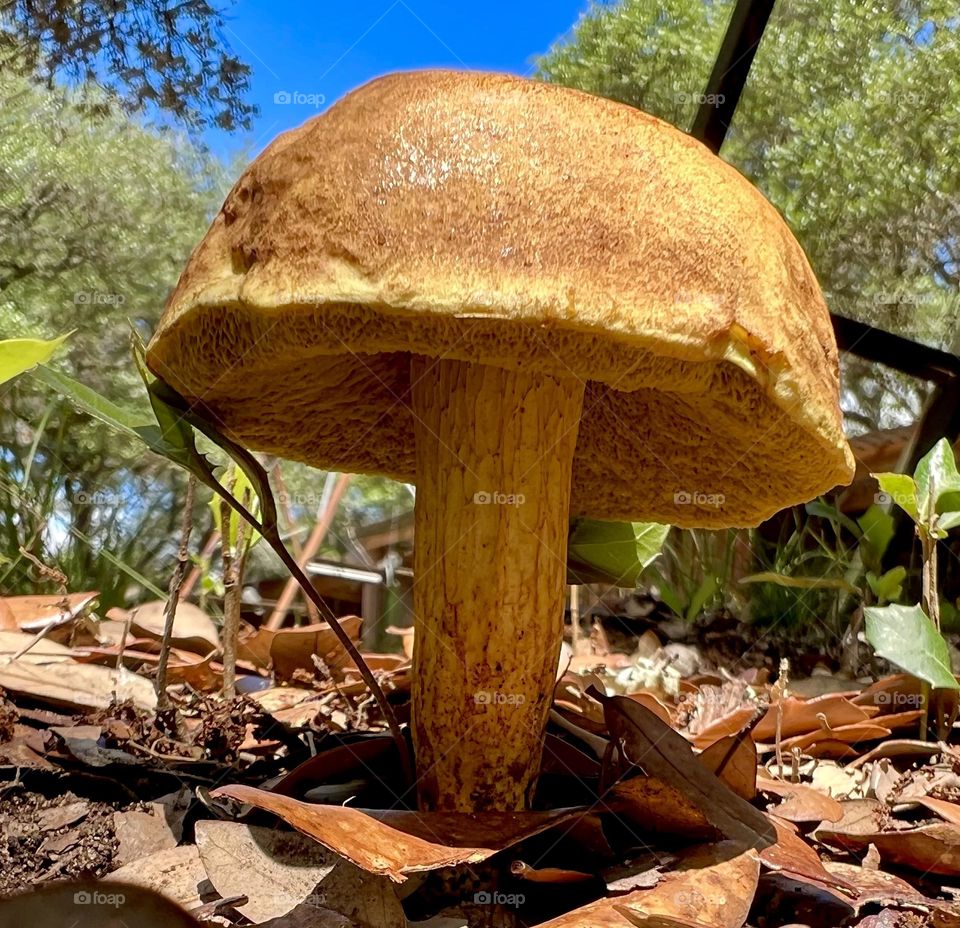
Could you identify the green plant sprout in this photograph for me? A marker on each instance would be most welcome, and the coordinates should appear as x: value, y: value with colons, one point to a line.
x: 910, y: 636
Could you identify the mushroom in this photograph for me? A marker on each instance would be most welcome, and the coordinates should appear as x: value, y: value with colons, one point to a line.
x: 531, y: 303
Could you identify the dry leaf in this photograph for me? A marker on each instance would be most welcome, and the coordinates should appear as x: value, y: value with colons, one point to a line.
x: 734, y: 760
x: 654, y: 807
x: 660, y: 751
x: 398, y: 843
x: 193, y: 629
x: 931, y: 848
x: 731, y: 724
x: 176, y: 873
x: 792, y: 856
x: 801, y: 803
x: 275, y: 870
x: 77, y: 686
x: 33, y: 613
x: 801, y: 716
x: 713, y: 887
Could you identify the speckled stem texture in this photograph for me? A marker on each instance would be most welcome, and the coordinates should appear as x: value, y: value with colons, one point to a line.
x: 494, y: 459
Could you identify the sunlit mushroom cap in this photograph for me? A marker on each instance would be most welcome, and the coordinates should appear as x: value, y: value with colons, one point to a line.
x: 509, y: 222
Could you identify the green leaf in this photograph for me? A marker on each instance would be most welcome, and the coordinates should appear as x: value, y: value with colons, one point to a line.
x: 877, y: 527
x: 938, y: 482
x: 905, y: 636
x: 616, y: 552
x: 18, y: 355
x: 668, y: 593
x: 902, y: 490
x: 887, y: 587
x: 948, y: 521
x: 702, y: 595
x: 802, y: 583
x: 831, y: 513
x: 242, y: 489
x: 129, y: 421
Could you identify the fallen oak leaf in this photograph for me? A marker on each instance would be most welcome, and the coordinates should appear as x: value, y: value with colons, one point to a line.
x: 396, y: 843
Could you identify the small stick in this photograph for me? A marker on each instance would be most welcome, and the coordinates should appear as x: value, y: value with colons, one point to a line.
x: 176, y: 580
x: 233, y: 561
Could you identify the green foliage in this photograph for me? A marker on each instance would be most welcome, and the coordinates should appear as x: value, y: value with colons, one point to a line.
x: 931, y: 497
x: 18, y: 355
x: 97, y: 215
x: 909, y: 638
x: 847, y: 124
x: 613, y: 552
x: 693, y: 573
x: 905, y: 636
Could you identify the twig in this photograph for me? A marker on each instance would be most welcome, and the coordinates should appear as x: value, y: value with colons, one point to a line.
x: 233, y: 561
x: 170, y: 610
x: 320, y: 529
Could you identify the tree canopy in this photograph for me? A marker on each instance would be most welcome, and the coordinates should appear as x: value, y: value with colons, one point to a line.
x: 847, y: 124
x: 171, y: 55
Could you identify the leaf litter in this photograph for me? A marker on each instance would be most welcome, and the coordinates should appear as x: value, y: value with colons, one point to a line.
x: 665, y: 798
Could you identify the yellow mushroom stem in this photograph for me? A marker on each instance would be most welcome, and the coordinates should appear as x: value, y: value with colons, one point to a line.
x: 494, y: 453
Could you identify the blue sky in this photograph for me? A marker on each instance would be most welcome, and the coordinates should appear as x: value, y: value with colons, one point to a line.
x: 321, y: 51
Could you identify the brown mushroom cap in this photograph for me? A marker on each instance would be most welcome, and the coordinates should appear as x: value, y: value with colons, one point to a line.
x: 507, y: 222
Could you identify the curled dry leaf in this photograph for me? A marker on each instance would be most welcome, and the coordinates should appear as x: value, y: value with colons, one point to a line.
x: 801, y: 803
x: 933, y: 848
x: 193, y: 629
x: 948, y: 811
x: 398, y: 843
x: 840, y: 737
x: 292, y: 649
x: 712, y: 886
x: 791, y: 855
x: 801, y: 716
x: 33, y: 613
x: 731, y: 724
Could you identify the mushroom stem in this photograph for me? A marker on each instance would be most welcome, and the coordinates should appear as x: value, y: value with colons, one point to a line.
x: 494, y: 451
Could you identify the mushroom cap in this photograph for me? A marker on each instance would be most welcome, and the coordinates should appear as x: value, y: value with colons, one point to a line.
x: 502, y: 221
